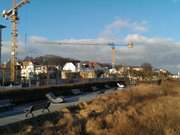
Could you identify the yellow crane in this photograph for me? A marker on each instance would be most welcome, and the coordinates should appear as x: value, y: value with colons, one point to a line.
x: 92, y: 43
x: 113, y: 47
x: 12, y: 14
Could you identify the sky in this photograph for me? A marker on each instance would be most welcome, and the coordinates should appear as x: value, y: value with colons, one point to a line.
x: 153, y: 26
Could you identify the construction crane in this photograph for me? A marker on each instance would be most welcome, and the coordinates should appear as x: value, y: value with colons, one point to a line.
x: 12, y: 14
x: 92, y: 43
x: 113, y: 47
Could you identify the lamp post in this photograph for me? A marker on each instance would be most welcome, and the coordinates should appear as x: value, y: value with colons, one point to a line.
x: 1, y: 27
x: 3, y: 74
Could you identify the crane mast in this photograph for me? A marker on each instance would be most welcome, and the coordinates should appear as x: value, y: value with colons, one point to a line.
x: 12, y: 14
x: 14, y: 19
x: 113, y: 57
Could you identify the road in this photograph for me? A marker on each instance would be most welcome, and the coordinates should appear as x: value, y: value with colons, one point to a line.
x: 18, y: 113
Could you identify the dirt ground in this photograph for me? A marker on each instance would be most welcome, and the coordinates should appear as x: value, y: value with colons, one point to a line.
x: 145, y: 109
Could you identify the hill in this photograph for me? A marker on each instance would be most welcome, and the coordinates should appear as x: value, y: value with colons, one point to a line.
x: 57, y: 60
x: 53, y: 60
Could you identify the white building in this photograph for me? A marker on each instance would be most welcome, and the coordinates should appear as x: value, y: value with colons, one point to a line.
x: 163, y: 71
x: 175, y: 76
x: 69, y: 67
x: 137, y: 68
x: 39, y: 69
x: 112, y: 71
x: 27, y: 70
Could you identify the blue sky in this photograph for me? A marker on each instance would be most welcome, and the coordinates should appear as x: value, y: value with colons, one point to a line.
x: 59, y: 19
x: 90, y: 19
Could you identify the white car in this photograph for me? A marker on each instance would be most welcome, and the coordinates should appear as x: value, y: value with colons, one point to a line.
x: 120, y: 85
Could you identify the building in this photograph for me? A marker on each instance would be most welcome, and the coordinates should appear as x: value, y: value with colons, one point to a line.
x: 137, y: 68
x: 112, y: 71
x: 69, y: 71
x: 121, y: 70
x: 69, y: 67
x: 40, y: 69
x: 88, y: 74
x: 164, y: 71
x: 83, y: 71
x: 87, y: 70
x: 4, y: 74
x: 27, y: 70
x: 175, y: 76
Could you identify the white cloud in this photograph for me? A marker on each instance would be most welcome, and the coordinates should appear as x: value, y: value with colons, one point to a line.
x: 35, y: 39
x: 139, y: 26
x: 6, y: 49
x: 148, y: 40
x: 119, y: 25
x: 160, y: 52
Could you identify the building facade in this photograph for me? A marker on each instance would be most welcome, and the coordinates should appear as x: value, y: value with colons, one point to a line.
x: 27, y: 70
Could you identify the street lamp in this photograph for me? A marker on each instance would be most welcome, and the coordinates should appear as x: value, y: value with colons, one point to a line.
x: 4, y: 74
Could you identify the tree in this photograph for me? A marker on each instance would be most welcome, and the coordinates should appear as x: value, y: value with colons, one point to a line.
x: 147, y: 69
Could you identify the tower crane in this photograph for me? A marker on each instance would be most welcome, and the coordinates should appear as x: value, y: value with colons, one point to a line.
x: 92, y: 43
x: 12, y: 14
x: 113, y: 47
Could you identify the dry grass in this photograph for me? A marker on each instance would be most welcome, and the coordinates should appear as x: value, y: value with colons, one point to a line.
x: 141, y: 110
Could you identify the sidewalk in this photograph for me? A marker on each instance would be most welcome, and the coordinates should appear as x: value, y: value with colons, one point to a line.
x: 18, y: 114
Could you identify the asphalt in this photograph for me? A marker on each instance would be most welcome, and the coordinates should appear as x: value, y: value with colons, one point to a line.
x: 18, y: 113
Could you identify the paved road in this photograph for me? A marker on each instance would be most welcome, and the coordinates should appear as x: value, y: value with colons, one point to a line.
x: 18, y: 113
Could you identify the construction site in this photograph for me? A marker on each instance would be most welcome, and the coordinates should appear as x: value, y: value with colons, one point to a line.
x: 29, y: 72
x: 59, y: 94
x: 16, y: 72
x: 45, y: 75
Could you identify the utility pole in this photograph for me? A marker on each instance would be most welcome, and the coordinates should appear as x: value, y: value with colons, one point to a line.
x: 2, y: 66
x: 1, y: 27
x: 3, y: 74
x: 12, y: 14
